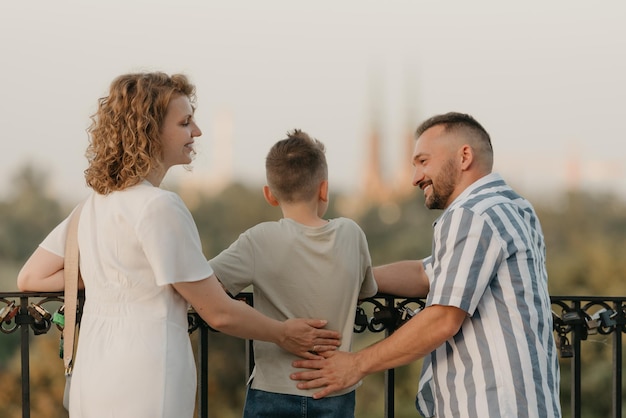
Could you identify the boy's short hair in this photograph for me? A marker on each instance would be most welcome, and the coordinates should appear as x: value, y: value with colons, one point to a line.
x: 295, y: 166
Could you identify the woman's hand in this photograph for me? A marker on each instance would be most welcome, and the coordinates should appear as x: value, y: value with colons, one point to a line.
x: 306, y: 337
x: 298, y: 336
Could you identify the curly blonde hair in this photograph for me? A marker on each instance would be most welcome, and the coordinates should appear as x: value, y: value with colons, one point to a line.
x: 125, y: 142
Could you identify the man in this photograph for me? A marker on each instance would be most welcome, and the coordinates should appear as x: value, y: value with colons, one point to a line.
x: 486, y: 331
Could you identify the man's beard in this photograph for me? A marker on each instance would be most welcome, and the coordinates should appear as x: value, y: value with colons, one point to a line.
x: 443, y: 186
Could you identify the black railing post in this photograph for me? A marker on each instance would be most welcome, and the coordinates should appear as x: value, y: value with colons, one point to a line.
x: 577, y: 321
x: 620, y: 321
x: 248, y: 298
x: 25, y: 355
x: 390, y: 374
x: 617, y: 374
x: 573, y: 321
x: 203, y: 363
x: 250, y: 357
x: 576, y: 391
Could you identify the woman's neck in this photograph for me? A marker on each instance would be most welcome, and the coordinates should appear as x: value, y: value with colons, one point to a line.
x: 155, y: 177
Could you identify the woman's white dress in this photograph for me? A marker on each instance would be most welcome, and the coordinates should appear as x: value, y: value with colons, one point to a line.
x: 134, y: 358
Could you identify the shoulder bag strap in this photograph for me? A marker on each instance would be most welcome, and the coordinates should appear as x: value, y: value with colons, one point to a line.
x: 71, y: 273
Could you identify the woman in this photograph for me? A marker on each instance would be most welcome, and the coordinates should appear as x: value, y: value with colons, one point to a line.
x: 142, y: 263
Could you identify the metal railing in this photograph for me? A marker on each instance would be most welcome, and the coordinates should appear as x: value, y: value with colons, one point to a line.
x: 575, y: 319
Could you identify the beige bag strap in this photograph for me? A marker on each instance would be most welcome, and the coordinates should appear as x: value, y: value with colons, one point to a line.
x: 71, y: 273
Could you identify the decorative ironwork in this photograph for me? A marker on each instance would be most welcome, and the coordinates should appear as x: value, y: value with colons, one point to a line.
x: 574, y: 320
x: 386, y: 316
x: 34, y: 314
x: 588, y: 315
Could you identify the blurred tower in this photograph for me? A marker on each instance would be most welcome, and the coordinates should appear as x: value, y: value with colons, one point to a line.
x: 373, y: 183
x: 404, y: 169
x: 222, y: 156
x: 374, y: 188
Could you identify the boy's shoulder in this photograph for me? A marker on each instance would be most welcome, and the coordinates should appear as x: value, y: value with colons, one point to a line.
x: 348, y: 222
x: 290, y: 224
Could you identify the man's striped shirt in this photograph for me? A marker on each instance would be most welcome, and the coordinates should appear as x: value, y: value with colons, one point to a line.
x: 489, y: 260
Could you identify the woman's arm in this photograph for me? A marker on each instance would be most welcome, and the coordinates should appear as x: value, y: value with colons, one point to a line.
x: 237, y: 318
x: 42, y: 272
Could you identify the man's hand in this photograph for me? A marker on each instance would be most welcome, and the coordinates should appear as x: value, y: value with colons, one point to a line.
x: 338, y: 370
x: 306, y: 338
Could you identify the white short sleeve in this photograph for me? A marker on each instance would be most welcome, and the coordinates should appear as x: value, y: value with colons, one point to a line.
x: 171, y: 243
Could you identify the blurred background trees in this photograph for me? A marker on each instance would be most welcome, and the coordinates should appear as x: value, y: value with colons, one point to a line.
x: 584, y: 234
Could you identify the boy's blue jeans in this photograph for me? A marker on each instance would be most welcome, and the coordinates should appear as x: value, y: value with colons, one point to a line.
x: 260, y: 404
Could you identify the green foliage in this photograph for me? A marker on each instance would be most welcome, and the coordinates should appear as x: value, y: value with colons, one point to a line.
x: 584, y: 237
x: 27, y: 216
x: 398, y: 230
x: 222, y: 218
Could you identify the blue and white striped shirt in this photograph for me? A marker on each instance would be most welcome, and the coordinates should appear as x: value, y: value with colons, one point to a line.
x: 489, y: 260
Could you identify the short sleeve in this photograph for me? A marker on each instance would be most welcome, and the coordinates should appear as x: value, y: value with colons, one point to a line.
x: 369, y: 287
x: 428, y: 266
x: 170, y: 240
x: 466, y: 256
x: 55, y: 241
x: 234, y: 266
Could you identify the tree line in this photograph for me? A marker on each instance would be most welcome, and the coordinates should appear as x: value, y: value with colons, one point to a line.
x: 584, y: 235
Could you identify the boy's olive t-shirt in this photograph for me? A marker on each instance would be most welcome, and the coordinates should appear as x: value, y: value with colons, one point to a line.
x: 297, y: 271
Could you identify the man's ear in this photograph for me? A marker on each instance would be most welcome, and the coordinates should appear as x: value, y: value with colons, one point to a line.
x: 467, y: 157
x: 324, y: 191
x: 269, y: 197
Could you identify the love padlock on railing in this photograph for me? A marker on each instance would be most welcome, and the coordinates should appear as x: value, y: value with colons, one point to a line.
x: 360, y: 320
x: 41, y: 318
x: 8, y: 312
x: 565, y: 348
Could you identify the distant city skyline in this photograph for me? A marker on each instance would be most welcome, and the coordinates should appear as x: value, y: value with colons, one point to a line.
x: 569, y: 171
x: 546, y: 79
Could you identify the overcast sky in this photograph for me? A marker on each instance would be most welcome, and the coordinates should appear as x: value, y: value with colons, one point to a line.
x: 546, y: 79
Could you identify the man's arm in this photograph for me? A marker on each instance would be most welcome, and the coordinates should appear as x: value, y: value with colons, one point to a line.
x: 418, y: 337
x: 402, y: 278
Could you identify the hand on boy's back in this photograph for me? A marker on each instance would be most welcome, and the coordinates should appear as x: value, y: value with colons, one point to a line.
x: 307, y: 337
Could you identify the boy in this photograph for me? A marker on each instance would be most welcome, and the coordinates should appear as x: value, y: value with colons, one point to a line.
x: 300, y: 266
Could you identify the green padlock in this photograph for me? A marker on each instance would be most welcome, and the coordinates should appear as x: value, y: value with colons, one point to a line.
x: 58, y: 319
x: 61, y: 347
